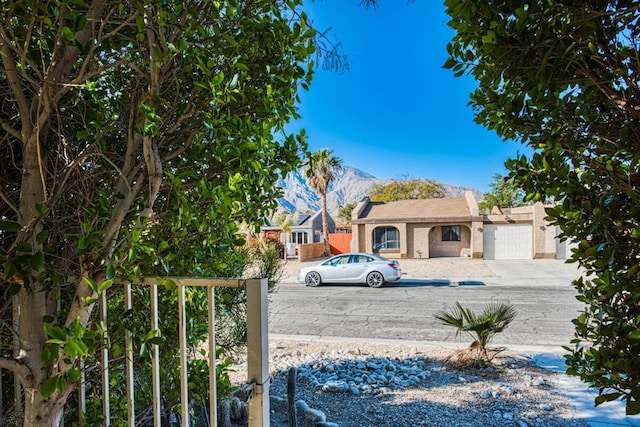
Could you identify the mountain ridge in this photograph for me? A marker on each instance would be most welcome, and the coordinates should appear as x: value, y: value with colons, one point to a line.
x: 351, y: 185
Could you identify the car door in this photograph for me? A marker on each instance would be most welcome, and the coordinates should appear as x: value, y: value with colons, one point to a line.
x: 357, y: 268
x: 335, y: 269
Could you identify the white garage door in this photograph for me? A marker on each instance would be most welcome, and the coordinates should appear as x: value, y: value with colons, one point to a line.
x: 508, y: 242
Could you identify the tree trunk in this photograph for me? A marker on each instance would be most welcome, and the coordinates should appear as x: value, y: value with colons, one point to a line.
x: 325, y: 224
x: 40, y: 412
x: 32, y: 300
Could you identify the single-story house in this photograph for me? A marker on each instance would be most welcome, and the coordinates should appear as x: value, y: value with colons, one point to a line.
x: 305, y: 229
x: 452, y: 227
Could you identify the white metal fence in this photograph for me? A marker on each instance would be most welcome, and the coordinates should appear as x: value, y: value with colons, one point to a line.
x: 257, y: 352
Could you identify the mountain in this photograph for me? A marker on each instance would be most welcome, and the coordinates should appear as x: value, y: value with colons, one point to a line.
x: 350, y: 185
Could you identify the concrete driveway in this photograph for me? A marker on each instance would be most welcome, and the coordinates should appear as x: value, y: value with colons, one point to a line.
x: 540, y: 290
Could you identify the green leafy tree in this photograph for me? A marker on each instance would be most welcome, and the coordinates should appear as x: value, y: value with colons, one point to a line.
x: 503, y: 193
x: 137, y: 136
x: 562, y: 78
x: 405, y: 189
x: 321, y: 167
x: 344, y: 212
x: 285, y: 221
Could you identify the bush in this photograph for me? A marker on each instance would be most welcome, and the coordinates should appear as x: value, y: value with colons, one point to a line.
x: 481, y: 327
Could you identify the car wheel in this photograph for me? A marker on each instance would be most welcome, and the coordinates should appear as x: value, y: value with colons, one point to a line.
x: 312, y: 279
x: 375, y: 279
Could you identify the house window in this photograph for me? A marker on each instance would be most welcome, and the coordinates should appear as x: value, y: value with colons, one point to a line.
x: 450, y: 233
x: 386, y: 238
x: 299, y: 237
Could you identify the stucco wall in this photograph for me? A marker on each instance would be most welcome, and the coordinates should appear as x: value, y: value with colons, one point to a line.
x: 438, y: 248
x: 359, y: 239
x: 418, y: 240
x: 421, y: 241
x: 425, y: 236
x: 544, y: 234
x: 477, y: 241
x: 402, y: 231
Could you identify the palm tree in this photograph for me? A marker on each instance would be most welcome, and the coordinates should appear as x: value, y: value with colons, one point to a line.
x: 482, y: 327
x: 321, y: 168
x: 285, y: 221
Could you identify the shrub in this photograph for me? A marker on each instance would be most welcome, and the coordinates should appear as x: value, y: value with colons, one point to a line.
x: 482, y: 327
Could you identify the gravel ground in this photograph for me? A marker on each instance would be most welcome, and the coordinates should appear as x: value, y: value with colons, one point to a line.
x: 515, y: 392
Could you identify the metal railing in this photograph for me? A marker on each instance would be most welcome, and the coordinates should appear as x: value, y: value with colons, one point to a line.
x: 257, y: 353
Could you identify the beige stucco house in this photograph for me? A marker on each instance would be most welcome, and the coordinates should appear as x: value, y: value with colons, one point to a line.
x: 453, y: 227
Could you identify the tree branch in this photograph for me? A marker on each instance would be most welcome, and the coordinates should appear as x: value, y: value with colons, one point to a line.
x: 10, y: 130
x: 611, y: 94
x: 119, y: 213
x: 11, y: 70
x: 20, y: 370
x: 6, y: 199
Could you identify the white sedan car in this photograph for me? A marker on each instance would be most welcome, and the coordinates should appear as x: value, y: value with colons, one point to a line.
x: 371, y: 269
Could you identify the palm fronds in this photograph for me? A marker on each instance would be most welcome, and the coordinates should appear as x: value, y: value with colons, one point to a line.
x: 493, y: 319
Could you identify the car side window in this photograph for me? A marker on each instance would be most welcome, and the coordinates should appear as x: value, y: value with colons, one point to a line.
x: 359, y: 259
x: 339, y: 260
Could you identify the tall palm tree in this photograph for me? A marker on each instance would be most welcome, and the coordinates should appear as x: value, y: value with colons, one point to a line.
x: 321, y: 167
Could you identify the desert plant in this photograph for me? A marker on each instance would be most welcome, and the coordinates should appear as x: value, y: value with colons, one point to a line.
x: 265, y: 261
x: 493, y: 319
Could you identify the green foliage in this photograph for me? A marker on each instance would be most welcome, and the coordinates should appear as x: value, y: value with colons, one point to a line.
x: 266, y: 261
x: 503, y: 193
x: 140, y: 135
x: 562, y: 77
x: 230, y: 308
x: 285, y: 221
x: 405, y: 189
x: 344, y: 212
x: 482, y: 326
x: 321, y: 167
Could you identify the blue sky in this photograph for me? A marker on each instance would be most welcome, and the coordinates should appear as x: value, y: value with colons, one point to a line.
x: 396, y: 112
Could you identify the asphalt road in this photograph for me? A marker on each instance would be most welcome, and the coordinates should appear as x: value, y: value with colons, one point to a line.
x: 540, y: 290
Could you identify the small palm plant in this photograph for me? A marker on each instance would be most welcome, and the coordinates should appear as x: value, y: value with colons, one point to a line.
x: 493, y: 319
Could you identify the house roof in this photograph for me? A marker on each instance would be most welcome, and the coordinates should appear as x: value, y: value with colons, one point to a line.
x: 301, y: 218
x: 417, y: 210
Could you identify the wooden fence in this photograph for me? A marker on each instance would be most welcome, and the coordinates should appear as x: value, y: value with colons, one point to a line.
x: 340, y: 243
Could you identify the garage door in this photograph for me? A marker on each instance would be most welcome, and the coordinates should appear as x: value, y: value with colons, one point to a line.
x: 508, y: 242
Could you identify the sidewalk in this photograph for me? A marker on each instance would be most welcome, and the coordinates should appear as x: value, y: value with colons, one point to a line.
x: 610, y: 414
